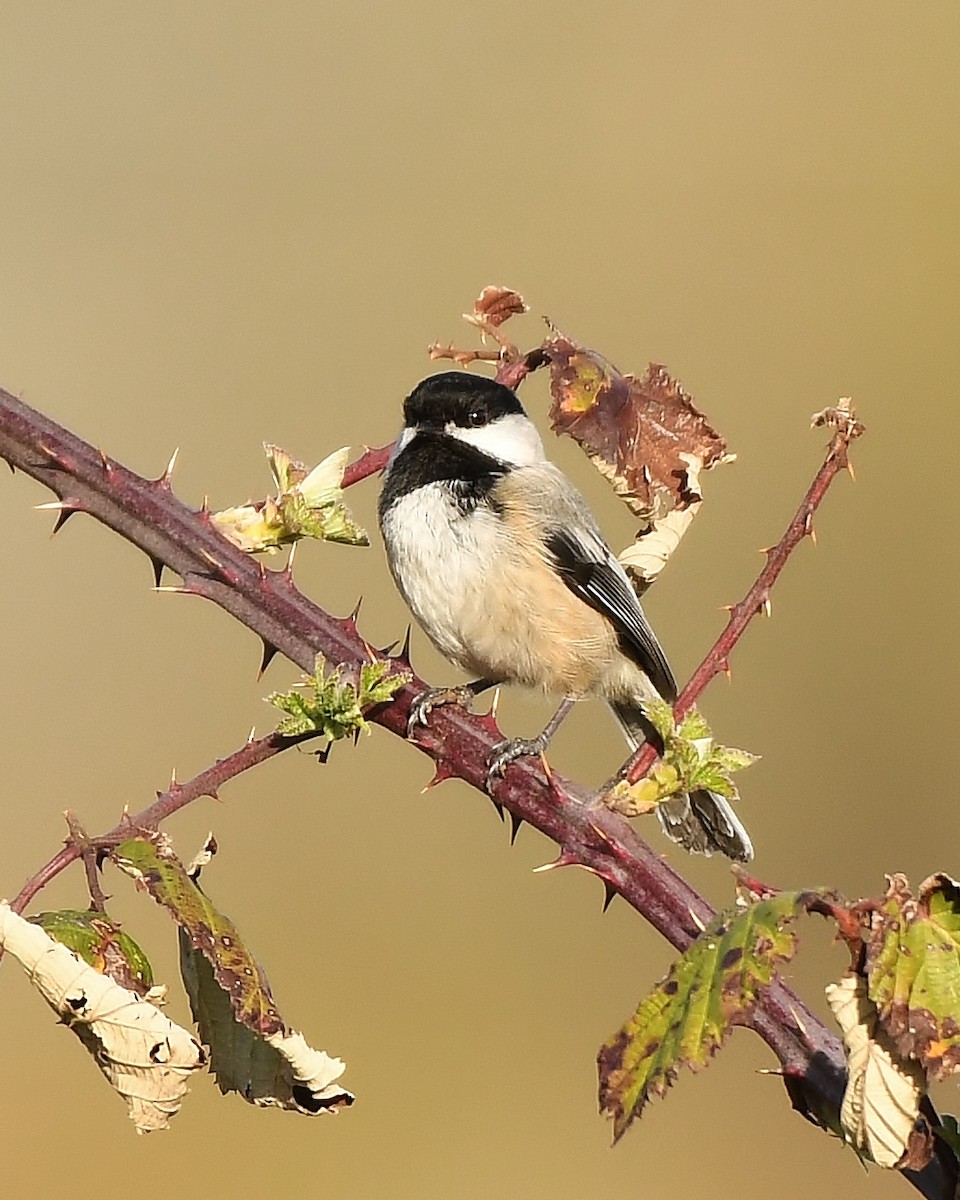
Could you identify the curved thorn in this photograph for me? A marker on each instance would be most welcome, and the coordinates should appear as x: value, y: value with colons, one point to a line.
x: 563, y: 859
x: 158, y: 564
x: 62, y: 519
x: 404, y: 655
x: 64, y: 510
x: 269, y: 653
x: 515, y: 822
x: 696, y: 920
x: 610, y: 893
x: 57, y: 505
x: 164, y: 479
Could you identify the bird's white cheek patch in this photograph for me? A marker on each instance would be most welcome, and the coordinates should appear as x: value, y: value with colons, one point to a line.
x: 513, y: 439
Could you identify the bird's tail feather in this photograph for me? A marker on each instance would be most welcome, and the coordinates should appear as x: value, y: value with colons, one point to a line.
x: 701, y: 821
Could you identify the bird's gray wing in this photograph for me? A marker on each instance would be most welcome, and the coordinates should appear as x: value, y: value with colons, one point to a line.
x: 587, y: 566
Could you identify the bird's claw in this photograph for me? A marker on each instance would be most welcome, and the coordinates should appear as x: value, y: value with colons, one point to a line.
x: 508, y: 752
x: 432, y: 698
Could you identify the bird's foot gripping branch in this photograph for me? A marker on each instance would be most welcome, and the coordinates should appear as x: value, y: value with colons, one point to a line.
x: 898, y: 1004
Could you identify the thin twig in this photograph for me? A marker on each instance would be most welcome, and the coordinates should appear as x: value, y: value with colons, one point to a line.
x: 757, y: 598
x: 177, y: 796
x: 87, y: 851
x: 370, y: 462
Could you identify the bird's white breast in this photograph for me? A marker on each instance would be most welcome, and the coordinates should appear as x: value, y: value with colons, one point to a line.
x: 441, y: 561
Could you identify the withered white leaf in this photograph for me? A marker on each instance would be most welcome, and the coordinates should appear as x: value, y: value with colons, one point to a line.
x: 146, y: 1058
x: 884, y: 1089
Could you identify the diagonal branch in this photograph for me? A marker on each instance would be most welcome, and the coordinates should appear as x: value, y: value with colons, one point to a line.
x: 147, y: 514
x: 177, y: 796
x: 757, y: 599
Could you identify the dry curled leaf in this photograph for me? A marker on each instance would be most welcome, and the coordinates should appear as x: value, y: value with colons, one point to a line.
x: 495, y: 305
x: 145, y: 1057
x: 884, y: 1088
x: 644, y: 435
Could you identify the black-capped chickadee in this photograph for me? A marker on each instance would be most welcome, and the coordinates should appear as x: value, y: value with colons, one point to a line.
x: 504, y: 567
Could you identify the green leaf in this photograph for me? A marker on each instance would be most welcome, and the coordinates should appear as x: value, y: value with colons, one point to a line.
x: 913, y: 970
x: 154, y: 865
x: 692, y: 726
x: 686, y: 1018
x: 307, y: 504
x: 101, y: 944
x: 660, y: 716
x: 734, y: 760
x: 333, y: 703
x: 691, y: 759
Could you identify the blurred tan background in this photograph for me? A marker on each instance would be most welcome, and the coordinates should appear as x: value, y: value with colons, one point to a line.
x: 228, y: 222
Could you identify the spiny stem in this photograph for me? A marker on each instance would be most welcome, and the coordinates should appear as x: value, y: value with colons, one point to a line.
x: 87, y: 851
x: 717, y: 659
x: 590, y: 835
x: 177, y: 796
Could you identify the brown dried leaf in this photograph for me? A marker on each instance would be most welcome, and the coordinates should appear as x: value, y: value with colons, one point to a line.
x: 644, y: 435
x: 495, y: 305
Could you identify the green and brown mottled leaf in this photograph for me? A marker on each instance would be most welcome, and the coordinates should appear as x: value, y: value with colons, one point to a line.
x: 913, y: 970
x: 685, y: 1019
x: 154, y: 865
x: 279, y: 1070
x: 101, y: 944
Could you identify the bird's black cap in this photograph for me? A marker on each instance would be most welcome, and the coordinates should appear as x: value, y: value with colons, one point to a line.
x: 469, y: 401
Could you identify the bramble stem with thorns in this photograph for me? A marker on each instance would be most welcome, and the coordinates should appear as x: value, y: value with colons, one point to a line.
x: 147, y: 513
x: 177, y: 796
x: 757, y: 598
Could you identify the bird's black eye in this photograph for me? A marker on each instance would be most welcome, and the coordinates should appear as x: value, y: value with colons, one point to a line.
x: 476, y: 416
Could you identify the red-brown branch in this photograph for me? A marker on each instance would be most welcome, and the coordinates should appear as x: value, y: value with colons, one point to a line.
x: 147, y: 514
x: 177, y: 796
x: 757, y: 598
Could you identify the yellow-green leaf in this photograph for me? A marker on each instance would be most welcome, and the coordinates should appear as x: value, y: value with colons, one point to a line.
x: 687, y: 1016
x: 913, y: 970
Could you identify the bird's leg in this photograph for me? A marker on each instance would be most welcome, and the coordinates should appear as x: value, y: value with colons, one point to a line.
x: 507, y: 752
x: 432, y: 698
